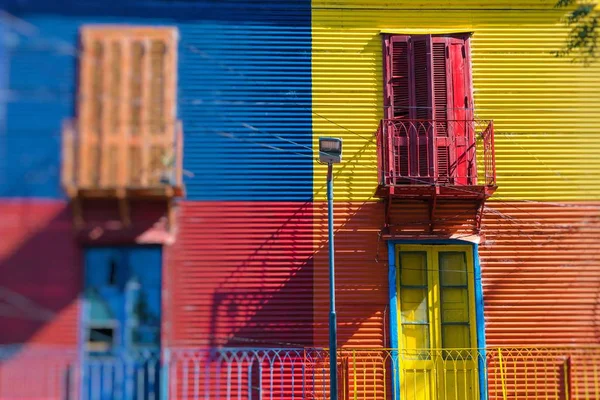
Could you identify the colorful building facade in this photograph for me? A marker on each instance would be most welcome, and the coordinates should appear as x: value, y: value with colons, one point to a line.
x: 206, y: 227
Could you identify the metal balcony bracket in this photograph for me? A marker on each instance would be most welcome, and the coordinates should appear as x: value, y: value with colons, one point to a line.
x: 124, y: 208
x: 387, y: 213
x: 432, y: 211
x: 171, y: 217
x: 77, y: 210
x: 479, y: 215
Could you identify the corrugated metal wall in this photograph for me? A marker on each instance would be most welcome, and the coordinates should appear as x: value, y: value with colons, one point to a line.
x: 249, y: 264
x: 539, y: 258
x: 541, y: 273
x: 241, y: 274
x: 545, y: 108
x: 245, y: 101
x: 244, y: 93
x: 41, y: 279
x: 361, y: 275
x: 244, y: 97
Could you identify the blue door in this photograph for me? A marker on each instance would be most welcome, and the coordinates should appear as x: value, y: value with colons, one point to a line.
x: 121, y: 323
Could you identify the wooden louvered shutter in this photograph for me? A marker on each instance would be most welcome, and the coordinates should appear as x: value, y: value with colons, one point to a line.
x: 127, y: 105
x: 452, y: 109
x: 398, y: 99
x: 463, y: 132
x: 442, y: 108
x: 422, y: 149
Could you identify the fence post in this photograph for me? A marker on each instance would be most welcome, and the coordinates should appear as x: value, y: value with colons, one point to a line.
x: 502, y: 380
x: 354, y: 383
x: 164, y: 374
x: 567, y: 377
x: 68, y: 378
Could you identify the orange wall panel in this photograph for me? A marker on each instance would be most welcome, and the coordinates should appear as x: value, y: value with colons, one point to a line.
x: 361, y: 275
x: 541, y: 273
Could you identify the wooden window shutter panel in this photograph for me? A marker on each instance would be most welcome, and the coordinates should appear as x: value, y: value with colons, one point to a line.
x: 422, y: 77
x: 459, y: 88
x: 398, y: 98
x: 422, y: 108
x: 470, y: 115
x: 442, y: 108
x: 401, y: 93
x: 127, y: 103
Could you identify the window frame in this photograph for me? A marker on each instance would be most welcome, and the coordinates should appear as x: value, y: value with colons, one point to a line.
x: 434, y: 291
x: 472, y: 250
x: 434, y: 149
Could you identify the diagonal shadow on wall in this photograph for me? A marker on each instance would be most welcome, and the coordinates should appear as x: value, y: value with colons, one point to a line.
x: 288, y: 307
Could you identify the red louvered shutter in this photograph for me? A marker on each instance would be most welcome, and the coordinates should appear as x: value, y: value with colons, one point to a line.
x: 398, y: 102
x: 452, y: 106
x: 422, y: 149
x: 442, y: 111
x: 460, y: 104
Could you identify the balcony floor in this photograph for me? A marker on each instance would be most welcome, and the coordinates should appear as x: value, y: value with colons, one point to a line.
x: 156, y: 192
x: 448, y: 192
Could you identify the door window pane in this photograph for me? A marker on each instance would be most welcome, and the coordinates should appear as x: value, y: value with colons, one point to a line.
x: 453, y: 268
x: 413, y: 268
x: 414, y: 307
x: 454, y: 296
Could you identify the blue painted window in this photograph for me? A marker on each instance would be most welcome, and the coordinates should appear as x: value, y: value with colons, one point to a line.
x: 122, y: 299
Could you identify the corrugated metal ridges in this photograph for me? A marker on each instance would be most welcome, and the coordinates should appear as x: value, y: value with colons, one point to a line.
x: 361, y: 280
x: 541, y: 273
x: 31, y: 162
x: 411, y: 220
x: 245, y: 99
x: 41, y: 278
x: 241, y: 274
x: 244, y: 94
x: 433, y: 4
x: 546, y: 109
x: 540, y: 263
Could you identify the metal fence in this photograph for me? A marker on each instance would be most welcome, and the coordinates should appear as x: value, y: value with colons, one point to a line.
x: 33, y: 372
x: 267, y: 373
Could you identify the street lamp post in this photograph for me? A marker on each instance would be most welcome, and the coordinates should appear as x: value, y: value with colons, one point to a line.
x: 330, y: 152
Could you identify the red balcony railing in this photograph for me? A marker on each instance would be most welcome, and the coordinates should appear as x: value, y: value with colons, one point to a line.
x: 436, y: 153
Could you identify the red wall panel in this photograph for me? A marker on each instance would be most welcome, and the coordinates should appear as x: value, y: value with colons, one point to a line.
x: 255, y: 274
x: 40, y: 273
x: 241, y: 274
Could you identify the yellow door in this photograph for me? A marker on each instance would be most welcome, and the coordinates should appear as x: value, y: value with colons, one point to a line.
x: 437, y: 338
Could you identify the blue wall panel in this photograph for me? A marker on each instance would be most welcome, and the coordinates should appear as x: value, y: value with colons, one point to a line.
x: 244, y: 93
x: 3, y: 86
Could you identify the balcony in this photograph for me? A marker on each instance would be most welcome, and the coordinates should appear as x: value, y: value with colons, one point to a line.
x: 142, y: 165
x: 554, y: 373
x: 452, y: 159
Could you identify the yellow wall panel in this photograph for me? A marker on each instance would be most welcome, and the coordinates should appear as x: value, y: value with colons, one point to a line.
x: 546, y: 110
